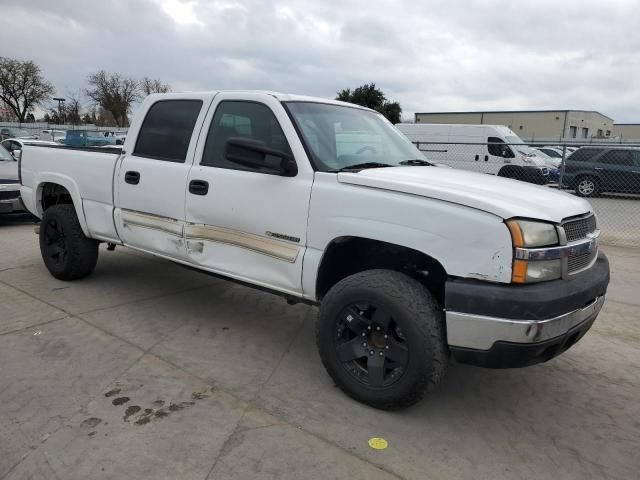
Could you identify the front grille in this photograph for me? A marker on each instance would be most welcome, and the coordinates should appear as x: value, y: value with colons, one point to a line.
x: 578, y: 229
x: 9, y: 195
x: 579, y: 262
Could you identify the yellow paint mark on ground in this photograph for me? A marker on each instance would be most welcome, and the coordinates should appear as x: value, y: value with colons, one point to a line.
x: 378, y: 443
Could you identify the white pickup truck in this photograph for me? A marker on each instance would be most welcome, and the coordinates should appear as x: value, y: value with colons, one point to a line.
x: 327, y: 203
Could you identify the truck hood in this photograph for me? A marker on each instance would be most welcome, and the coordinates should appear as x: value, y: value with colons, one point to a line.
x: 499, y: 196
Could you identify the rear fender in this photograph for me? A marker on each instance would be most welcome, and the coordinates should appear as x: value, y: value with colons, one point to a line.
x: 70, y: 185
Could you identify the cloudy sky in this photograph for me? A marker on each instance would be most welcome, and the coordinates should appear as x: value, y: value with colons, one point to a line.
x: 430, y: 55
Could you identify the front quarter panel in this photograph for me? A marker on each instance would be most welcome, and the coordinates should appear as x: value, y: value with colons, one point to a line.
x: 468, y: 243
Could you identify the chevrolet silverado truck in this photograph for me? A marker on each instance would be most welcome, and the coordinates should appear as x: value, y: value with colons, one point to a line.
x: 323, y: 202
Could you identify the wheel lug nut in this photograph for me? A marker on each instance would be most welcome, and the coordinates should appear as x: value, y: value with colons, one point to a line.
x: 364, y: 344
x: 386, y: 336
x: 381, y: 354
x: 378, y: 328
x: 371, y: 352
x: 386, y: 347
x: 369, y: 327
x: 364, y: 334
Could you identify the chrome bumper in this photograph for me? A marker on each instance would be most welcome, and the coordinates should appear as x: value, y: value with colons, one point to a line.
x: 481, y: 332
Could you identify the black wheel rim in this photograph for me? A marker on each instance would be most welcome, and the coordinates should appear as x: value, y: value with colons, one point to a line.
x: 370, y: 345
x: 56, y: 243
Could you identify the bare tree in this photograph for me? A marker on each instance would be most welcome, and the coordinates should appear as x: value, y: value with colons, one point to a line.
x: 114, y: 93
x: 154, y: 85
x: 22, y: 86
x: 72, y: 109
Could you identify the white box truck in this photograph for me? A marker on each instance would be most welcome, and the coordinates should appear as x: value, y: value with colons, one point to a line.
x: 492, y: 149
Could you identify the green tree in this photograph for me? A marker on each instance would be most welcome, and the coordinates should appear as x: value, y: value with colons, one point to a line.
x: 368, y: 95
x: 22, y: 86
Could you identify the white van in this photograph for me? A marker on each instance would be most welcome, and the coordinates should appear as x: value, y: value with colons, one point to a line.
x: 492, y: 149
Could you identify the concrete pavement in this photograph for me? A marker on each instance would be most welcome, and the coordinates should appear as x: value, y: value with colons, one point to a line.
x: 149, y: 370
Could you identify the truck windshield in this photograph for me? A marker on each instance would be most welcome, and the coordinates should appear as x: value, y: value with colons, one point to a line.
x: 338, y: 137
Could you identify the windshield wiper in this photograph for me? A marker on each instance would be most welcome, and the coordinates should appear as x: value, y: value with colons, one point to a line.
x: 417, y: 162
x: 362, y: 166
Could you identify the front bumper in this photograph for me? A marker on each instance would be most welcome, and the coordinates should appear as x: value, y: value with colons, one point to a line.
x: 535, y: 174
x: 505, y: 326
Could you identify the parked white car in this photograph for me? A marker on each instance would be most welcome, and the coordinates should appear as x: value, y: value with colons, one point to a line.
x: 327, y: 203
x: 53, y: 135
x: 492, y: 149
x: 9, y: 184
x: 15, y: 145
x: 11, y: 132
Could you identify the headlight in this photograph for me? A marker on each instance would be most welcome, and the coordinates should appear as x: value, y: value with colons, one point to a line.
x: 526, y: 160
x: 530, y: 234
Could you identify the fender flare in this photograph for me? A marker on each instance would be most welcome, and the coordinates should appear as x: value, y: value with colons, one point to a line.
x: 70, y: 185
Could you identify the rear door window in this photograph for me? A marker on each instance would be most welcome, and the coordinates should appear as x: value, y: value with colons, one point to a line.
x: 166, y: 131
x: 623, y: 158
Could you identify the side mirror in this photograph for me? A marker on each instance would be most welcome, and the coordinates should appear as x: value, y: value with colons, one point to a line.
x: 17, y: 155
x: 256, y: 154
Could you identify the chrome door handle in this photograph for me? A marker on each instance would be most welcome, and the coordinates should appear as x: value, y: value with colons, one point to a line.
x: 598, y: 168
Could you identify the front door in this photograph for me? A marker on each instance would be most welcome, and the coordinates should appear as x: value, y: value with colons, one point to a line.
x: 247, y: 222
x: 152, y: 176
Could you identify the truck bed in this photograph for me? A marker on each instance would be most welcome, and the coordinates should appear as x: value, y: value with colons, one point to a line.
x: 86, y: 172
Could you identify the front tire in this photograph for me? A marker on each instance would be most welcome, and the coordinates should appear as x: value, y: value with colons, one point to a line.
x: 587, y: 186
x: 67, y: 253
x: 381, y: 337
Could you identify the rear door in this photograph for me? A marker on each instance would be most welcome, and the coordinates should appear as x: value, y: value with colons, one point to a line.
x: 245, y: 222
x: 635, y: 179
x: 151, y: 181
x: 616, y: 170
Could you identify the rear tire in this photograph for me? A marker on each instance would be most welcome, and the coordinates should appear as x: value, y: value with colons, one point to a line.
x: 67, y: 253
x: 587, y: 186
x: 381, y: 337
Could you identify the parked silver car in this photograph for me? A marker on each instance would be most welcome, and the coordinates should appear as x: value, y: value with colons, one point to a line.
x: 9, y: 183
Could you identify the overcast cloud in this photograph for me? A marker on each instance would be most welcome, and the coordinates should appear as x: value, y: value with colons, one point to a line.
x: 429, y: 55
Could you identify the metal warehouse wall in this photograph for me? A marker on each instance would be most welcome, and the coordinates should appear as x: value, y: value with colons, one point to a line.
x: 627, y: 130
x: 532, y: 125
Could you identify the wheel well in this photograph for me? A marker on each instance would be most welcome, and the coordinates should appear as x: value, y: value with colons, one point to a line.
x: 510, y: 171
x: 54, y: 194
x: 348, y: 255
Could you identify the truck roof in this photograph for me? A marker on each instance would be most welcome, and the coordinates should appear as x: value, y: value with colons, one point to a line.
x: 283, y: 97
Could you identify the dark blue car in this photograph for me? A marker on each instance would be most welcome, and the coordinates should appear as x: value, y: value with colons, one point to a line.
x: 594, y: 170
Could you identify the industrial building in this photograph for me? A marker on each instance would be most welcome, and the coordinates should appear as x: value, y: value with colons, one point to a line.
x: 532, y: 125
x: 627, y: 131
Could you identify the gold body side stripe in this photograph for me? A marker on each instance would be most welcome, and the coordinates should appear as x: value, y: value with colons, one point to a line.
x: 156, y: 222
x: 279, y: 249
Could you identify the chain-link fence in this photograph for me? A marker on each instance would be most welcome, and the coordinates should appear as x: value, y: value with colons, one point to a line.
x: 606, y: 174
x: 51, y: 132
